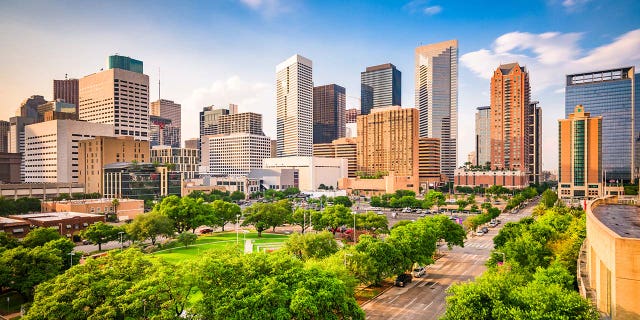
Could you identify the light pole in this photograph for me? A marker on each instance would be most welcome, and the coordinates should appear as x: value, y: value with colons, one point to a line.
x: 504, y: 257
x: 121, y: 246
x: 71, y: 254
x: 237, y: 223
x: 355, y: 239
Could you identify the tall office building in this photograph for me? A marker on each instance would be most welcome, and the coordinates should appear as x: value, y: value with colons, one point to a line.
x: 436, y: 68
x: 294, y: 102
x: 240, y: 122
x: 234, y: 154
x: 168, y: 109
x: 429, y: 162
x: 483, y: 135
x: 613, y: 95
x: 29, y: 107
x: 95, y: 153
x: 5, y: 126
x: 183, y: 160
x: 515, y: 122
x: 329, y: 106
x: 380, y: 86
x: 117, y: 96
x: 59, y: 108
x: 580, y: 169
x: 388, y: 141
x: 209, y: 120
x: 67, y: 90
x: 16, y: 140
x: 51, y: 149
x: 162, y: 132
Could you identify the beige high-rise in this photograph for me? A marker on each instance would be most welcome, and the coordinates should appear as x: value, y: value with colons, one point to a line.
x: 340, y: 148
x: 388, y: 141
x: 118, y: 97
x: 94, y: 154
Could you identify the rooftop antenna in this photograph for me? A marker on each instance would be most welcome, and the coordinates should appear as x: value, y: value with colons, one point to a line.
x: 65, y: 76
x: 158, y: 83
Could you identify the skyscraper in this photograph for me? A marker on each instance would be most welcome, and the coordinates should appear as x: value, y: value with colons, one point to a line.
x: 351, y: 115
x: 580, y: 169
x: 436, y: 68
x: 483, y: 135
x: 4, y: 135
x: 329, y: 104
x: 118, y: 96
x: 209, y: 120
x: 294, y: 102
x: 67, y: 90
x: 613, y: 95
x: 514, y: 121
x: 380, y: 86
x: 169, y: 110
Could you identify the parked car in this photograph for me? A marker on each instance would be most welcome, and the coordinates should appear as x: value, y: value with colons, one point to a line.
x: 419, y: 272
x: 403, y: 279
x: 485, y: 229
x: 479, y: 232
x: 493, y: 224
x: 406, y: 210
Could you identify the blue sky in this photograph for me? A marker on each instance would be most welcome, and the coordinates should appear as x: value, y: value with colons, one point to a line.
x: 221, y: 52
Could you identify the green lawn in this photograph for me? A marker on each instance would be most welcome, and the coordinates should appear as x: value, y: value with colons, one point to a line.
x: 219, y: 240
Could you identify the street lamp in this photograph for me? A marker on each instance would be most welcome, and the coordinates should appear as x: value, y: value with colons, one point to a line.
x: 237, y: 223
x: 121, y: 246
x: 71, y: 254
x: 504, y: 257
x: 355, y: 239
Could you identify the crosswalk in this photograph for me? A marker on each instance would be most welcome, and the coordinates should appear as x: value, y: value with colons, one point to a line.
x: 479, y: 245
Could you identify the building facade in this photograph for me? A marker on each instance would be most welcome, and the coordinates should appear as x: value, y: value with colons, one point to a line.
x: 117, y: 96
x: 162, y: 132
x: 42, y: 191
x: 294, y: 103
x: 234, y: 154
x: 312, y: 171
x: 329, y: 106
x: 351, y: 115
x: 57, y: 106
x: 580, y: 146
x: 380, y: 86
x: 436, y: 68
x: 515, y: 122
x: 429, y: 162
x: 248, y: 122
x: 511, y: 179
x: 94, y: 154
x: 67, y: 90
x: 169, y: 110
x: 209, y: 119
x: 29, y: 107
x: 127, y: 209
x: 388, y: 141
x: 139, y: 181
x: 10, y: 167
x: 182, y: 160
x: 67, y: 223
x: 5, y: 126
x: 483, y: 135
x: 51, y: 149
x: 346, y: 148
x: 193, y: 143
x: 611, y: 94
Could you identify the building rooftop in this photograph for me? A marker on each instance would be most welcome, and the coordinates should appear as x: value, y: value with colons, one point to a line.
x: 55, y: 216
x: 89, y: 201
x: 624, y: 220
x: 384, y: 66
x: 9, y: 221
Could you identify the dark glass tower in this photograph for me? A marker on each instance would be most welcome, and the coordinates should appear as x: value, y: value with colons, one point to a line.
x: 380, y: 87
x: 329, y: 108
x: 610, y: 94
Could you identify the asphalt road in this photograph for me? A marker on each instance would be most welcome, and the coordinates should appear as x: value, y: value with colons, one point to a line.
x: 424, y: 298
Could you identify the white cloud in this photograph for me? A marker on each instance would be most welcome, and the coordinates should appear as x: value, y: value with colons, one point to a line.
x: 268, y: 8
x: 432, y: 10
x: 573, y: 5
x: 549, y: 56
x: 255, y: 97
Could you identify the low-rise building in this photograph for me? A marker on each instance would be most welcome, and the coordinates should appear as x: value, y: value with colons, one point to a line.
x: 312, y: 171
x: 67, y: 223
x: 39, y: 190
x: 511, y: 179
x: 140, y: 181
x: 608, y: 266
x: 371, y: 186
x: 181, y: 160
x: 126, y: 209
x: 340, y: 148
x: 276, y: 178
x: 235, y: 153
x: 16, y: 228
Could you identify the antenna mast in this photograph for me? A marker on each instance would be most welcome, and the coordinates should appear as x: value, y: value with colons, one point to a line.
x: 158, y: 83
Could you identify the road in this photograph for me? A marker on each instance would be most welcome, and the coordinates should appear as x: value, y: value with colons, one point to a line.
x: 424, y: 298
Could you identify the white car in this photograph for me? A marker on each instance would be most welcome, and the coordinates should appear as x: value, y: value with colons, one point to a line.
x: 419, y: 272
x: 479, y: 232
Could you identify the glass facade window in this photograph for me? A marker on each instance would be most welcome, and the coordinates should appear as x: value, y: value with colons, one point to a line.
x: 380, y: 87
x: 578, y: 153
x: 329, y: 107
x: 609, y: 94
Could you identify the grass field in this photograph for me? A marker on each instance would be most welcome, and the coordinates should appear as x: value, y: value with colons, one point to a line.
x: 219, y: 240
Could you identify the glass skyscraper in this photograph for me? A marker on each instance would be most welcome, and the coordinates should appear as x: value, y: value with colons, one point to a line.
x: 380, y: 86
x: 611, y: 94
x: 329, y: 105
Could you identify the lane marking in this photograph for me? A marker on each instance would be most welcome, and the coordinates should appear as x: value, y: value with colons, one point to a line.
x: 431, y: 286
x: 427, y: 307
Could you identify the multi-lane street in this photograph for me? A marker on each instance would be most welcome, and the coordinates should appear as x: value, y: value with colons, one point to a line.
x: 424, y: 298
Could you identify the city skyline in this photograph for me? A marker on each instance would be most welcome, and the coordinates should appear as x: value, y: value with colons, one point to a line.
x: 552, y: 39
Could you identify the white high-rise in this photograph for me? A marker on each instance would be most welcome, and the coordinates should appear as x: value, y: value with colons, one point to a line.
x: 117, y: 96
x: 234, y: 154
x: 437, y: 98
x: 294, y: 101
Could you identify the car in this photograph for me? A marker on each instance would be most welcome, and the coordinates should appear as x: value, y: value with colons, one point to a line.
x: 485, y: 229
x: 406, y: 210
x: 403, y: 279
x: 479, y: 233
x: 493, y: 224
x: 419, y: 272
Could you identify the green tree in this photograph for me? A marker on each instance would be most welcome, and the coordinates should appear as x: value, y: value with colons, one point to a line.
x: 333, y: 217
x: 7, y: 241
x: 372, y: 222
x: 435, y: 197
x: 225, y: 212
x: 150, y: 226
x: 40, y: 236
x: 64, y: 247
x: 99, y: 233
x: 343, y: 200
x: 311, y: 245
x: 24, y: 268
x: 549, y: 198
x: 374, y: 260
x: 237, y: 195
x: 187, y: 238
x: 303, y: 218
x: 115, y: 203
x: 7, y: 206
x: 267, y: 215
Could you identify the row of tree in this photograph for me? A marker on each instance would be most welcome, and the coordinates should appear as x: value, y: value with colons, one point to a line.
x: 217, y: 195
x: 19, y: 206
x: 537, y: 280
x: 407, y: 198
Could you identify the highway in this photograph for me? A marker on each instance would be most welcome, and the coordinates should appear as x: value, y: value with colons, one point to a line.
x: 424, y: 298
